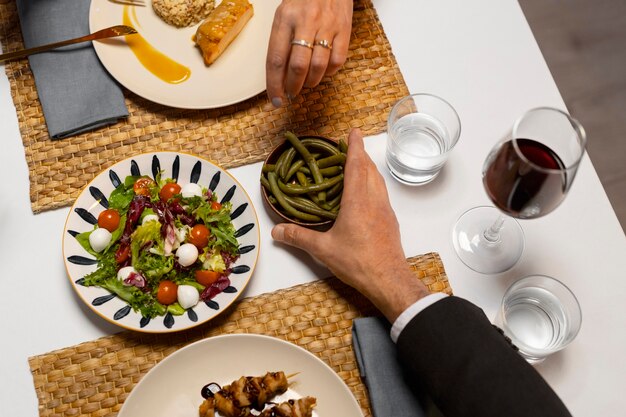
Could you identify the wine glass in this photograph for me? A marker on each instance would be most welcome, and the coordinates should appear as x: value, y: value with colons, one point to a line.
x: 526, y: 176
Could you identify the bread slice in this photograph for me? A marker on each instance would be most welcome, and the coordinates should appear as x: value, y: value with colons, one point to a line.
x: 221, y: 27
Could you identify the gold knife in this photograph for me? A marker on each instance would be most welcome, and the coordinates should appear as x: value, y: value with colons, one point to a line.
x: 113, y: 31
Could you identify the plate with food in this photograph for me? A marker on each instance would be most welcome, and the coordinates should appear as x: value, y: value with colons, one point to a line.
x: 193, y: 54
x: 161, y: 242
x: 261, y: 372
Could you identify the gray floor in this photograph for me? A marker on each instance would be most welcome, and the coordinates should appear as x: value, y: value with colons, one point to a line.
x: 584, y: 44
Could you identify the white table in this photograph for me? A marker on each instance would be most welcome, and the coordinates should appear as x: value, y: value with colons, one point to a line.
x: 482, y: 57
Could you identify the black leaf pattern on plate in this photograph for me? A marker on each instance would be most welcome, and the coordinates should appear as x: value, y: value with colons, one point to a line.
x: 215, y: 181
x: 85, y: 215
x: 99, y: 196
x: 239, y: 211
x: 80, y: 281
x: 176, y: 168
x: 195, y: 172
x: 168, y: 321
x: 115, y: 180
x: 230, y: 289
x: 98, y: 301
x: 73, y: 233
x: 192, y: 315
x: 244, y: 229
x: 212, y: 304
x: 240, y: 269
x: 246, y: 249
x: 121, y: 313
x: 144, y: 322
x: 81, y: 260
x: 229, y: 194
x: 134, y: 168
x: 156, y: 166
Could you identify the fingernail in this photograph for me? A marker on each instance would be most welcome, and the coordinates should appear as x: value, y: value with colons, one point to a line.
x: 277, y: 102
x: 278, y: 233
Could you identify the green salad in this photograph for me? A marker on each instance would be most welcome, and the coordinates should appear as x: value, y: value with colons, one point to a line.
x: 162, y: 247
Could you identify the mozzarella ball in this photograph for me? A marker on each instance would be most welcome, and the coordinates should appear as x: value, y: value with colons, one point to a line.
x: 150, y: 218
x: 191, y: 190
x: 125, y: 272
x: 187, y: 254
x: 188, y: 296
x: 99, y: 239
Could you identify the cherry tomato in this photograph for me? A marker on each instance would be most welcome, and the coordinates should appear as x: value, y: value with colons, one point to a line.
x: 167, y: 292
x: 199, y: 236
x: 215, y: 205
x: 206, y: 278
x: 142, y: 186
x: 122, y: 254
x: 109, y: 219
x: 169, y: 190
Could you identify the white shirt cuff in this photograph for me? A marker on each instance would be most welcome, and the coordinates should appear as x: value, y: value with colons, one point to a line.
x: 412, y: 311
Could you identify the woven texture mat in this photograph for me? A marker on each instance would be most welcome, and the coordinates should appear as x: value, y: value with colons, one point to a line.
x: 359, y: 95
x: 94, y: 378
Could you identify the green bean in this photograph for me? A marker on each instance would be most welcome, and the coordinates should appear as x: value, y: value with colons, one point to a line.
x: 280, y: 197
x: 306, y: 155
x: 338, y: 159
x: 292, y: 170
x: 327, y: 172
x: 321, y: 196
x: 292, y: 189
x: 290, y: 154
x: 265, y: 183
x: 279, y: 161
x: 333, y: 203
x: 343, y: 146
x: 308, y: 207
x: 268, y: 167
x: 320, y: 145
x: 314, y: 199
x: 335, y: 190
x: 302, y: 179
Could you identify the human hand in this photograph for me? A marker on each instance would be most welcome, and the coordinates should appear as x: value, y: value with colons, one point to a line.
x: 290, y: 67
x: 363, y: 247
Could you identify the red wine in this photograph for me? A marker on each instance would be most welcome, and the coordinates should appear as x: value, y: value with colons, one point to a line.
x: 520, y: 188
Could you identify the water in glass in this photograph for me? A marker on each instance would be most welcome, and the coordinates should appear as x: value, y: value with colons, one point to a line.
x: 417, y: 147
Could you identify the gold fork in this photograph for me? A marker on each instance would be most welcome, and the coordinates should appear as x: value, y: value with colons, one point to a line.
x: 111, y: 32
x: 129, y: 2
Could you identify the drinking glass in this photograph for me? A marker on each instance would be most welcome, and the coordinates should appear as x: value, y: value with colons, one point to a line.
x: 540, y: 315
x: 527, y: 175
x: 422, y: 131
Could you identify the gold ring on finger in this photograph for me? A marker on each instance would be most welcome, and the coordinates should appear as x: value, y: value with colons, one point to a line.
x: 324, y: 44
x: 302, y: 42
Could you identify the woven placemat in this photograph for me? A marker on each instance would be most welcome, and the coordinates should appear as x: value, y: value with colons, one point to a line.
x: 360, y: 95
x: 94, y: 378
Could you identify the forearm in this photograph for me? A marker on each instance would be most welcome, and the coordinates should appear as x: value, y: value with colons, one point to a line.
x: 469, y: 368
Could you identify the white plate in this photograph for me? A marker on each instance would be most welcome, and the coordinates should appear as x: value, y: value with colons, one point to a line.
x: 172, y: 388
x: 236, y: 76
x: 190, y: 168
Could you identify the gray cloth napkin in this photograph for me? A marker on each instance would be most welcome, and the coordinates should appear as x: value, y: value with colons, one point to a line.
x: 77, y: 94
x: 376, y: 357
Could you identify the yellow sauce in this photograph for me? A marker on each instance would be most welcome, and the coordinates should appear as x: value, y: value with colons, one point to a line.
x: 154, y: 61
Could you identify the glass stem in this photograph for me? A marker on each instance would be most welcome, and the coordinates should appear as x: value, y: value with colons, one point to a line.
x: 492, y: 235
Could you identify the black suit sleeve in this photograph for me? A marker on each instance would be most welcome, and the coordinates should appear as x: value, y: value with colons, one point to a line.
x: 469, y: 369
